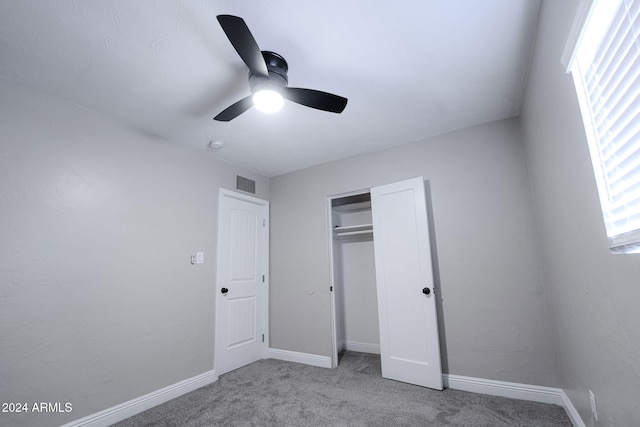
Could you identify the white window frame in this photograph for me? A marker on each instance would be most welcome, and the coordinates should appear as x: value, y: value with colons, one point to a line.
x: 625, y: 241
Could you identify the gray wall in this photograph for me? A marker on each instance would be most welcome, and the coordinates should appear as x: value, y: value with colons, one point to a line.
x: 495, y: 320
x: 99, y: 303
x: 595, y: 294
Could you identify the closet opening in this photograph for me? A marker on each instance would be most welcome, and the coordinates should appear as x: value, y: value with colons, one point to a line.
x: 354, y: 296
x: 383, y: 295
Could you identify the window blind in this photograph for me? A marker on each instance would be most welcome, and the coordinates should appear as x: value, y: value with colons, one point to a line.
x: 609, y: 67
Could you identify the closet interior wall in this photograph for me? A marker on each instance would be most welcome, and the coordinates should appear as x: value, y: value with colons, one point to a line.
x: 356, y: 305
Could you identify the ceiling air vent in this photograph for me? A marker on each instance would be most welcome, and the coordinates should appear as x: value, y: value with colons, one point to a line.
x: 245, y: 184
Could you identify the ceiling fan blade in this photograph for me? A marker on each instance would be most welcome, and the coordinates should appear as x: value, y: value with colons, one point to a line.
x: 316, y: 99
x: 235, y: 110
x: 242, y: 40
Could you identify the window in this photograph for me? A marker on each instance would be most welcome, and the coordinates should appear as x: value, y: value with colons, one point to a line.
x: 604, y: 59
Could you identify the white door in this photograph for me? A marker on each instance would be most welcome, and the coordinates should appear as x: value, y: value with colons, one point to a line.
x: 409, y: 345
x: 242, y: 282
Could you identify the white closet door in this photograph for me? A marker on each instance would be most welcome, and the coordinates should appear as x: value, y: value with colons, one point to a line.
x: 409, y: 345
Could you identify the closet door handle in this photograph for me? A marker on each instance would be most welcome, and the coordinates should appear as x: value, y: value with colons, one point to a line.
x: 224, y: 290
x: 426, y: 291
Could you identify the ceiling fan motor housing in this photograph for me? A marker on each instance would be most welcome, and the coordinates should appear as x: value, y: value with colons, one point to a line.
x: 277, y: 67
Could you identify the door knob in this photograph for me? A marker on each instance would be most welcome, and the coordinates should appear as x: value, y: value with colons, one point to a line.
x: 426, y: 291
x: 224, y: 290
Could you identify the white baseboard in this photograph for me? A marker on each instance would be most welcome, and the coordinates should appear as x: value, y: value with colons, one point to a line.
x: 361, y: 347
x: 533, y: 393
x: 306, y: 358
x: 572, y: 412
x: 135, y: 406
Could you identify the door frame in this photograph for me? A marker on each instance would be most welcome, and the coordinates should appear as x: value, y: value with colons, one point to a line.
x: 334, y: 331
x: 223, y: 192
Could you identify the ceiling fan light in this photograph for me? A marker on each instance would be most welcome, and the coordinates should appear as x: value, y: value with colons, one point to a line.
x: 268, y: 101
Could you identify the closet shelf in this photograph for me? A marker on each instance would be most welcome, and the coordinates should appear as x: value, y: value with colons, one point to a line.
x: 350, y: 230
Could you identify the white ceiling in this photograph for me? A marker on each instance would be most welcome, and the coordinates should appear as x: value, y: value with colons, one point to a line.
x: 410, y: 69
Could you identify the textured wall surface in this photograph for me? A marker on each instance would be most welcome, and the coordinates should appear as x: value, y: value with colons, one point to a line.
x: 594, y: 294
x: 495, y: 321
x: 99, y: 303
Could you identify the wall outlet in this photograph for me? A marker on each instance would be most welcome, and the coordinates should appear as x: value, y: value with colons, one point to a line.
x: 594, y: 410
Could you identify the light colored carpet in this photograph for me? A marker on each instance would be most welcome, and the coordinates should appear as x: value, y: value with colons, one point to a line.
x: 276, y: 393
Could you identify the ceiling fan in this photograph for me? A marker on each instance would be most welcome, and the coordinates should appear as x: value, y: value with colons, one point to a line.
x: 268, y: 77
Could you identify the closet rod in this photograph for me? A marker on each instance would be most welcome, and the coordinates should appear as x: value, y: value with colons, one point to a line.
x: 351, y: 233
